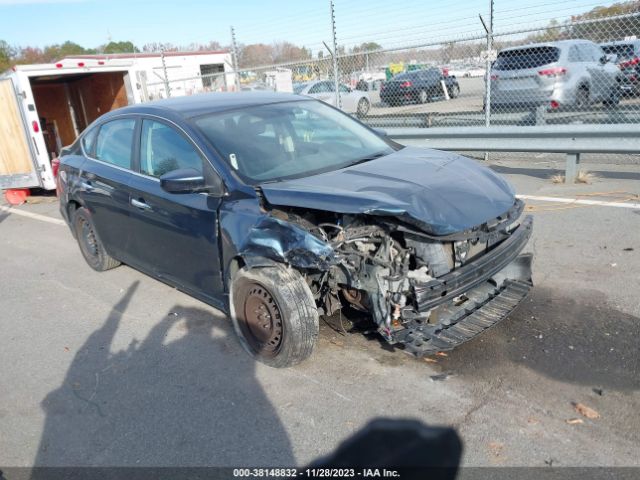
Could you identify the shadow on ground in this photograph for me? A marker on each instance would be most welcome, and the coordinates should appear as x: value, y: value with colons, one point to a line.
x: 575, y: 339
x: 193, y: 401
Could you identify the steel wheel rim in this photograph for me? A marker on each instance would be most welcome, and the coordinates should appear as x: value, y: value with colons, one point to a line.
x: 89, y: 241
x: 262, y: 321
x: 423, y: 96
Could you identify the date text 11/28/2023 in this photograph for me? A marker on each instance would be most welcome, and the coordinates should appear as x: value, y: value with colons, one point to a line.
x: 315, y: 473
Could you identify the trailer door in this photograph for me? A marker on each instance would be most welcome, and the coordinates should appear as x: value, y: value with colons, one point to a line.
x: 17, y: 166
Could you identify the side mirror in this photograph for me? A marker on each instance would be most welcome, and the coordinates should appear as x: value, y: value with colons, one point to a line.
x: 190, y: 180
x: 381, y: 132
x: 611, y: 57
x: 604, y: 59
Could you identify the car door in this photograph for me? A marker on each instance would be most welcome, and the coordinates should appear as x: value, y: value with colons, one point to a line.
x: 104, y: 178
x: 348, y: 99
x: 174, y: 236
x: 599, y: 81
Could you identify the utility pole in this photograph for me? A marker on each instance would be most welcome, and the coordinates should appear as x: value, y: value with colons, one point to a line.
x: 336, y: 79
x: 164, y: 74
x: 487, y: 78
x: 234, y: 58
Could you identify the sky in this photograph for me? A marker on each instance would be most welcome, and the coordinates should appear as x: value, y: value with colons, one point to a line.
x: 303, y: 22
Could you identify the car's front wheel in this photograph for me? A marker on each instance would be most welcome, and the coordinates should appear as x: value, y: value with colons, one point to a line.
x: 454, y: 91
x: 274, y: 314
x: 90, y: 245
x: 363, y: 107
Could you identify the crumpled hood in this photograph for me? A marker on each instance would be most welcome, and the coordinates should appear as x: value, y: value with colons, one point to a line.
x: 443, y: 192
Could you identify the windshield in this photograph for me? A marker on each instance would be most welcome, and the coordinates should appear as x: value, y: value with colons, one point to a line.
x: 526, y: 58
x: 289, y: 140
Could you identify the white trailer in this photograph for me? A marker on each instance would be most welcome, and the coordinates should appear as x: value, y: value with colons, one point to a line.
x: 44, y: 107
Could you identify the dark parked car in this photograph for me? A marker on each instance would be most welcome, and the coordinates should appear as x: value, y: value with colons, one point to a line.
x: 628, y: 59
x: 418, y: 86
x: 278, y: 208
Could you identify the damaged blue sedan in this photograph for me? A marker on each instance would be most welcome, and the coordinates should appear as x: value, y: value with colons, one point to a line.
x: 279, y: 209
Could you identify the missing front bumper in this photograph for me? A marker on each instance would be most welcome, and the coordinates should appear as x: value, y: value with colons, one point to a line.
x: 470, y: 300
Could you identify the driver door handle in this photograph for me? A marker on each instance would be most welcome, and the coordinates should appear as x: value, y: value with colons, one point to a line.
x: 141, y: 204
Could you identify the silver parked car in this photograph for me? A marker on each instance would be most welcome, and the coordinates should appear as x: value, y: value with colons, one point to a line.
x: 565, y: 73
x: 353, y: 101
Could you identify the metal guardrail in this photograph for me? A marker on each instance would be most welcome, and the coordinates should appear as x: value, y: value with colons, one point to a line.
x: 572, y: 140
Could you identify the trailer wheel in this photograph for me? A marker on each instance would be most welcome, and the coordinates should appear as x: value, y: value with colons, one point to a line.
x: 274, y: 314
x: 90, y: 245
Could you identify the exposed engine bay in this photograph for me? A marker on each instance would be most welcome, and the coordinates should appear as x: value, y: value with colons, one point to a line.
x: 429, y: 293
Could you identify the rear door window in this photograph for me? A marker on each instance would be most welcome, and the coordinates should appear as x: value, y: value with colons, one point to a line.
x: 524, y: 58
x: 163, y: 149
x: 115, y: 141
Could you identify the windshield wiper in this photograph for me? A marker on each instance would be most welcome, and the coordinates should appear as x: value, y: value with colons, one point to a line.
x: 368, y: 158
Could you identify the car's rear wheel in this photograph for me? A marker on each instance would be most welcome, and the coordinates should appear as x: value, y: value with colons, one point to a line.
x: 90, y: 245
x: 363, y: 107
x: 274, y: 314
x: 423, y: 96
x: 454, y: 91
x: 582, y: 97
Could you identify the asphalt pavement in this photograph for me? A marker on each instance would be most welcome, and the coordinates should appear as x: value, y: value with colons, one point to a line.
x: 116, y: 368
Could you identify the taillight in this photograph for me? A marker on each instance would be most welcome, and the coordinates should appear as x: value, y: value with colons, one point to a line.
x: 555, y: 104
x: 58, y: 65
x: 36, y: 126
x: 406, y: 84
x: 494, y: 77
x: 630, y: 63
x: 553, y: 72
x: 81, y: 64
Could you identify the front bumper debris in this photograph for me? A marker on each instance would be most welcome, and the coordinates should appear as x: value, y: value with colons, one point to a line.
x: 471, y: 299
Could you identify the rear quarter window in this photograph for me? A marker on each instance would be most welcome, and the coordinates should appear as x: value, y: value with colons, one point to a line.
x: 88, y: 140
x: 524, y: 58
x: 114, y: 144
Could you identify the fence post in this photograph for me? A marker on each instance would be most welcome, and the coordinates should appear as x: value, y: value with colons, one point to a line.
x: 336, y: 78
x: 167, y: 87
x: 234, y: 59
x: 572, y: 168
x: 487, y: 76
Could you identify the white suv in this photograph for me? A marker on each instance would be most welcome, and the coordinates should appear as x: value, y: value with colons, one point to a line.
x: 572, y: 73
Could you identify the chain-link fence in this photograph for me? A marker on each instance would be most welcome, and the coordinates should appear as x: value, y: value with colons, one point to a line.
x: 537, y: 63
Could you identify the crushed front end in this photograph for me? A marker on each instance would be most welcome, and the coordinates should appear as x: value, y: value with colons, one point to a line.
x: 428, y: 293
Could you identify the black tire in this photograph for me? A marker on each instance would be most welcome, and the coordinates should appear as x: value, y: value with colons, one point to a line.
x: 274, y: 314
x: 90, y: 245
x: 363, y: 107
x: 614, y: 98
x: 454, y: 91
x: 582, y: 98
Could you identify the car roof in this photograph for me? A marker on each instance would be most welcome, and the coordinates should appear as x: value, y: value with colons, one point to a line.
x: 621, y: 42
x: 200, y: 104
x: 559, y: 43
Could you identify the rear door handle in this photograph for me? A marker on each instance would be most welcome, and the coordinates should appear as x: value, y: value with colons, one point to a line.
x: 141, y: 204
x: 86, y: 186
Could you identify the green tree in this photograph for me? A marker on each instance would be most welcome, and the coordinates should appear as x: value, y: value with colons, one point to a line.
x: 6, y: 55
x: 120, y: 47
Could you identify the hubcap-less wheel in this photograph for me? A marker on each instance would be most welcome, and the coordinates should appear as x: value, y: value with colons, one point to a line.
x: 88, y: 241
x: 262, y: 321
